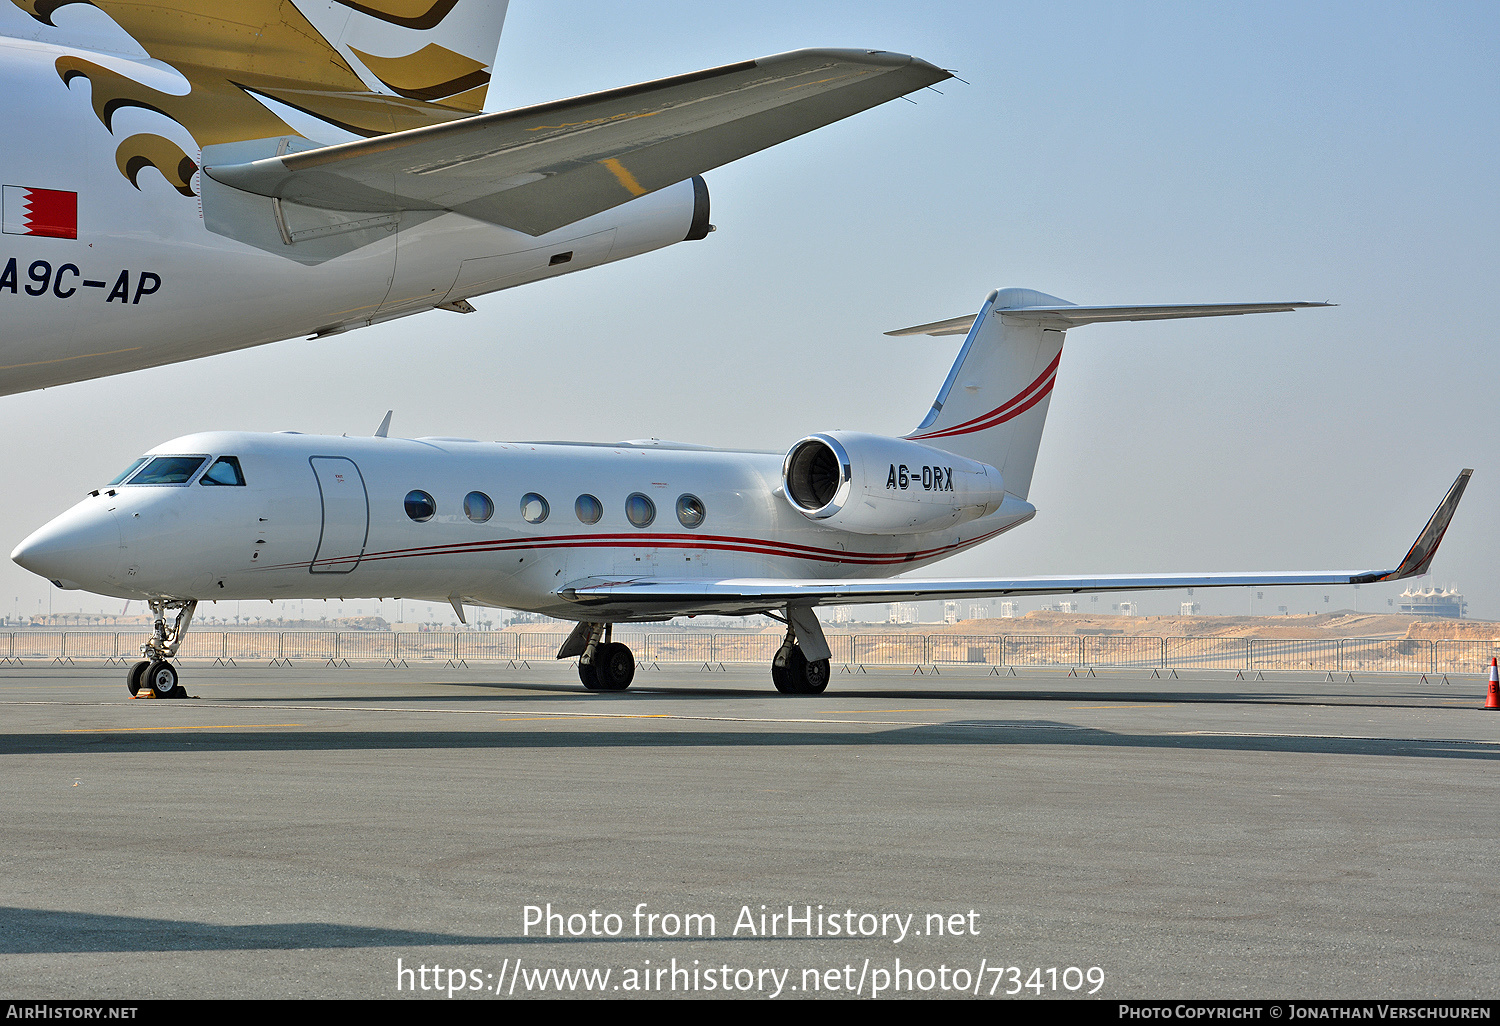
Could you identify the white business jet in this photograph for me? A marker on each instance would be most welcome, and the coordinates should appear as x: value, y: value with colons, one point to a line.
x: 187, y: 177
x: 610, y: 533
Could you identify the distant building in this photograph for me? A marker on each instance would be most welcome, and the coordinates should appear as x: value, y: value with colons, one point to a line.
x: 903, y: 612
x: 950, y: 611
x: 1447, y: 602
x: 1127, y: 609
x: 1190, y: 608
x: 1009, y: 610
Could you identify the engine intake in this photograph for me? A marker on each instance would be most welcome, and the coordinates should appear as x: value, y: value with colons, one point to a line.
x: 871, y: 484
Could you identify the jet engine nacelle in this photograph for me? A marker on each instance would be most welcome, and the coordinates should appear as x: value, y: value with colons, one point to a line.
x: 870, y: 484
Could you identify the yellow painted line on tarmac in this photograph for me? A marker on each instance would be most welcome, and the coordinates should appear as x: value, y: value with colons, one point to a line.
x: 1332, y: 737
x: 862, y: 712
x: 588, y: 716
x: 209, y: 726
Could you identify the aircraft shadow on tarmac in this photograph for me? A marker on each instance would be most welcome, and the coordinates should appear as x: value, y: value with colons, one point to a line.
x: 969, y: 732
x: 31, y: 931
x: 490, y: 691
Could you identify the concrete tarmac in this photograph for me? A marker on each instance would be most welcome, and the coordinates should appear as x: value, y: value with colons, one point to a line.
x: 313, y: 832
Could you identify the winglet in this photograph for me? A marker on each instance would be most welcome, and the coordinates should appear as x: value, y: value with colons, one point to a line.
x: 385, y: 425
x: 1419, y: 558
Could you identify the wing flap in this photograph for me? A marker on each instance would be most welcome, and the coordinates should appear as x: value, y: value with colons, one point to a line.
x: 537, y: 168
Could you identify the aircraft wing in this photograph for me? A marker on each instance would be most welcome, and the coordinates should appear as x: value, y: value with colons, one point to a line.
x: 538, y: 168
x: 1072, y: 316
x: 648, y: 595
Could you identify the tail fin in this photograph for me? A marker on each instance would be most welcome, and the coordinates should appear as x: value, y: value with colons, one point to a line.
x: 994, y: 403
x: 439, y: 52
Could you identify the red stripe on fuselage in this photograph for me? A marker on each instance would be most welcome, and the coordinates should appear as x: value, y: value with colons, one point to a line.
x: 997, y: 421
x: 1044, y: 379
x: 674, y: 541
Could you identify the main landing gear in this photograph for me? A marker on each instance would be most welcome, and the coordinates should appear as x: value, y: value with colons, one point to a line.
x: 800, y: 666
x: 155, y: 672
x: 603, y: 664
x: 795, y: 674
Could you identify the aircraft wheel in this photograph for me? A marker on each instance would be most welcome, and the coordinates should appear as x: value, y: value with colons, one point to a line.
x: 586, y: 673
x: 161, y: 677
x: 614, y: 667
x: 801, y: 676
x: 133, y: 677
x: 815, y: 677
x: 780, y: 678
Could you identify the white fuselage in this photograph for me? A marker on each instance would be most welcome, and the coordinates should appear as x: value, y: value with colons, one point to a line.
x: 327, y: 517
x: 147, y: 283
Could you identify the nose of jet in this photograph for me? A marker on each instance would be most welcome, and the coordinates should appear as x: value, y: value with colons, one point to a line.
x: 79, y: 549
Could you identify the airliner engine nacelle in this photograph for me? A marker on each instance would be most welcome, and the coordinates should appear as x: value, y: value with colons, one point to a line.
x: 870, y: 484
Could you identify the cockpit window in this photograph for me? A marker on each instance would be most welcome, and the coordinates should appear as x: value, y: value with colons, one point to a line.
x: 225, y: 471
x: 122, y: 475
x: 168, y: 470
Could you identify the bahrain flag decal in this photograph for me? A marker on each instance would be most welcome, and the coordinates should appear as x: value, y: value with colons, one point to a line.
x: 48, y: 212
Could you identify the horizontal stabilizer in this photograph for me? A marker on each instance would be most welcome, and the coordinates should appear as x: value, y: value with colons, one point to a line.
x: 1067, y: 316
x: 647, y: 595
x: 538, y: 168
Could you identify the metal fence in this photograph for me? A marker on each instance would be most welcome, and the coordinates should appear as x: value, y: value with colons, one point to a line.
x: 444, y: 648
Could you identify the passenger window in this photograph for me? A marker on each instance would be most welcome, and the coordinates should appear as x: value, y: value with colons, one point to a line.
x: 478, y: 507
x: 589, y: 509
x: 534, y: 508
x: 690, y: 510
x: 640, y: 510
x: 169, y: 470
x: 420, y: 506
x: 127, y: 472
x: 225, y: 471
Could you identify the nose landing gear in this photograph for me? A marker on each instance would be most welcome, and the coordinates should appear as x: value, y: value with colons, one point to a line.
x: 155, y: 671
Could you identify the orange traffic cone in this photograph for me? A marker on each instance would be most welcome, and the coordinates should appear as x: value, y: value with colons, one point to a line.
x: 1493, y: 701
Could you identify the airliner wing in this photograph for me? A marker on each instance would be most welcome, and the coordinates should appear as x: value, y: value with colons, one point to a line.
x: 738, y: 597
x: 538, y: 168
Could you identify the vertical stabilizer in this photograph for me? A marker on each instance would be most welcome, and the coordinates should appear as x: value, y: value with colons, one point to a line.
x: 994, y: 403
x: 437, y: 51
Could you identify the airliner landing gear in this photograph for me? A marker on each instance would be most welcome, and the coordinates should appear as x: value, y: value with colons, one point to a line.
x: 605, y: 665
x: 156, y: 670
x: 795, y: 674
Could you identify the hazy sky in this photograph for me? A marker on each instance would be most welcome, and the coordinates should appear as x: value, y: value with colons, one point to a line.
x: 1105, y: 153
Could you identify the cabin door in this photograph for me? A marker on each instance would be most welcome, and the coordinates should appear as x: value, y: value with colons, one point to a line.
x: 346, y: 515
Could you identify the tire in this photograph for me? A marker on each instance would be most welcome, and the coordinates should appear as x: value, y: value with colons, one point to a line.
x: 614, y: 667
x: 586, y: 673
x: 781, y: 679
x: 133, y: 677
x: 800, y: 676
x: 161, y: 677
